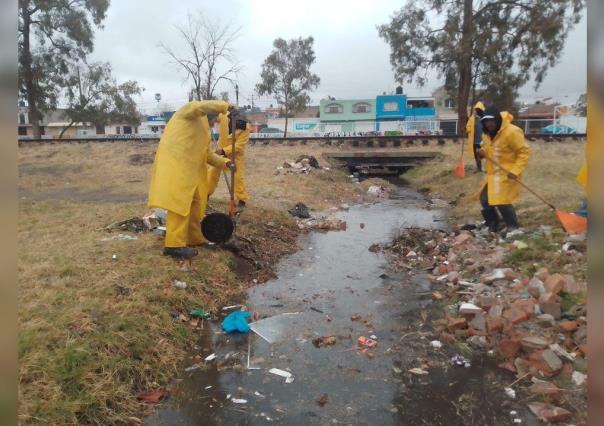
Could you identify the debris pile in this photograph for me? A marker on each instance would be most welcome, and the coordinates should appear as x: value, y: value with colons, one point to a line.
x: 305, y: 164
x: 536, y: 323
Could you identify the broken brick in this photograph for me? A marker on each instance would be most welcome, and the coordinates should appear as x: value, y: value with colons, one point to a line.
x: 554, y: 283
x: 551, y: 308
x: 478, y: 322
x: 572, y: 286
x: 447, y: 338
x: 535, y: 287
x: 531, y: 343
x: 568, y: 325
x: 548, y: 297
x: 496, y: 311
x: 549, y: 413
x: 456, y: 324
x: 525, y: 305
x: 515, y: 316
x: 486, y: 302
x: 509, y: 348
x: 546, y: 361
x: 494, y: 324
x: 542, y: 387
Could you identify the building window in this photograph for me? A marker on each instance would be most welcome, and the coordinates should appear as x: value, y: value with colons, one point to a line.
x: 21, y: 118
x: 118, y: 130
x: 127, y: 130
x: 361, y: 107
x: 100, y: 129
x: 22, y: 131
x: 334, y: 109
x: 391, y: 106
x: 449, y: 103
x: 155, y: 129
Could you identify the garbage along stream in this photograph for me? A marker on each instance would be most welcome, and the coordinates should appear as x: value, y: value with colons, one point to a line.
x: 340, y: 340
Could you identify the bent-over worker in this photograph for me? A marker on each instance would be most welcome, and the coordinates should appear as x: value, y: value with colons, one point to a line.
x: 474, y: 131
x: 179, y: 175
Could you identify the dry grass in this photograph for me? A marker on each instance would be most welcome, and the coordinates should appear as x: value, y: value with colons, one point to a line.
x: 551, y: 171
x: 93, y: 331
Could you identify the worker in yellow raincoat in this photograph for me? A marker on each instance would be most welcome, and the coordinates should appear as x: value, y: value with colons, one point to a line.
x: 225, y: 147
x: 504, y: 143
x: 179, y: 175
x: 474, y: 132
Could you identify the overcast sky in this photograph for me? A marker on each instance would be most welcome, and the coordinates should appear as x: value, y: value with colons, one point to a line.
x: 352, y: 60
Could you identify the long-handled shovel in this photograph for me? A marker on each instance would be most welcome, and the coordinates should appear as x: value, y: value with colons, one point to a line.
x: 572, y: 223
x: 219, y: 227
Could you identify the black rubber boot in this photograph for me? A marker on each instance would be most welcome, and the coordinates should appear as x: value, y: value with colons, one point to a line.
x: 240, y: 205
x: 491, y: 219
x: 180, y: 252
x: 508, y: 213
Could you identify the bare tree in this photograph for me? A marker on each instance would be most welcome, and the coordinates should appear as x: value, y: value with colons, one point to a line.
x: 206, y: 55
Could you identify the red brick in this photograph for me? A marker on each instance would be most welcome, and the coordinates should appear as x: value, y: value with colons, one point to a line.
x: 509, y: 348
x: 554, y: 283
x: 515, y: 316
x: 474, y: 332
x: 494, y: 324
x: 568, y: 325
x: 486, y: 302
x: 525, y: 305
x: 447, y: 338
x: 457, y: 323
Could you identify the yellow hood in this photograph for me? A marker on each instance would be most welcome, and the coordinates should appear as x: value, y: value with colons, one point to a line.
x: 479, y: 105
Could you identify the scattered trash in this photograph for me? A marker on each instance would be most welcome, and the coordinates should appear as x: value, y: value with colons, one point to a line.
x: 210, y: 358
x: 366, y: 342
x: 376, y: 191
x: 259, y: 395
x: 199, y: 313
x: 114, y: 257
x: 355, y: 317
x: 208, y: 387
x: 153, y: 397
x: 312, y: 308
x: 510, y: 392
x: 228, y: 308
x: 180, y: 284
x: 549, y: 412
x: 459, y: 360
x: 362, y: 225
x: 323, y: 399
x: 578, y: 378
x: 300, y: 210
x: 520, y: 245
x: 469, y: 308
x: 437, y: 344
x: 236, y: 321
x: 321, y: 342
x: 120, y: 237
x: 331, y: 225
x: 418, y: 371
x: 289, y: 378
x: 274, y: 328
x: 192, y: 368
x: 239, y: 401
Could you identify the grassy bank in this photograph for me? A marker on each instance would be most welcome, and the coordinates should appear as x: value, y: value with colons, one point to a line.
x: 551, y: 171
x: 95, y: 331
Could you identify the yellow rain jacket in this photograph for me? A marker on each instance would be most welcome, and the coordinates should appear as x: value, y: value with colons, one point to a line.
x: 470, y: 127
x: 510, y: 150
x: 180, y: 166
x: 242, y: 138
x: 223, y: 131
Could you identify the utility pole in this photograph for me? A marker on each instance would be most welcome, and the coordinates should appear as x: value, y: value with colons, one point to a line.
x: 237, y: 94
x: 251, y: 99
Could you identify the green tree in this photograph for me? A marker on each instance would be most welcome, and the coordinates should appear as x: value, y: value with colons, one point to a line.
x: 496, y: 46
x: 51, y: 33
x: 93, y: 96
x: 286, y: 74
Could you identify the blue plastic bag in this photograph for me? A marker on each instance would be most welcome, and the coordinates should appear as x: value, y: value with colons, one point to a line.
x: 236, y: 321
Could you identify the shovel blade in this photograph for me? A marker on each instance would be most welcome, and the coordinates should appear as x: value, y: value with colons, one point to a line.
x: 572, y: 223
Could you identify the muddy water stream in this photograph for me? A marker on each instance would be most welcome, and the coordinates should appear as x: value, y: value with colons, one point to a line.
x: 333, y: 277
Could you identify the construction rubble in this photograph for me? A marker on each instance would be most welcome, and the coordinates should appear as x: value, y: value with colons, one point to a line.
x: 525, y: 322
x: 305, y: 164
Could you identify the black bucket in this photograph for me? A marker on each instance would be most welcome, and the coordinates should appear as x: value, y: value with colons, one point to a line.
x: 217, y: 227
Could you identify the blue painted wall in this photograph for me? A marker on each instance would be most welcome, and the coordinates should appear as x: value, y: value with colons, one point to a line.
x: 402, y: 112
